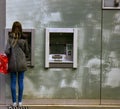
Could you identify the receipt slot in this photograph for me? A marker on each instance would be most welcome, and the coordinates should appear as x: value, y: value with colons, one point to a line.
x: 29, y: 35
x: 61, y: 48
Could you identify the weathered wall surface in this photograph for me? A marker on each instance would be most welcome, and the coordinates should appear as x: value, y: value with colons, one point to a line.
x: 98, y: 43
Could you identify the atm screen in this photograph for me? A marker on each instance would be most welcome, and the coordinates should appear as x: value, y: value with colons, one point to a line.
x: 58, y: 42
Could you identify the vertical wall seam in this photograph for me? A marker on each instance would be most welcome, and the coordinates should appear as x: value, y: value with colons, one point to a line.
x: 101, y: 53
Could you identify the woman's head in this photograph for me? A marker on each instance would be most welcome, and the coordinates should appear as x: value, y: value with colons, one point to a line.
x: 17, y: 27
x: 16, y: 33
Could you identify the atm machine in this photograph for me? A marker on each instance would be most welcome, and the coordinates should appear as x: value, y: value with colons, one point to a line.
x: 61, y: 48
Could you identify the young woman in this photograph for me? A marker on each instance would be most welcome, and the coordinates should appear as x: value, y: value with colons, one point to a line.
x: 16, y: 50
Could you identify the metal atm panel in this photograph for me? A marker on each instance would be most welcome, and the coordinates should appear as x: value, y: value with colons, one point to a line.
x: 61, y: 48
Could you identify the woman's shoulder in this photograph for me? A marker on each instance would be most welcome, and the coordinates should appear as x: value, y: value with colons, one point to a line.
x: 21, y: 41
x: 23, y: 36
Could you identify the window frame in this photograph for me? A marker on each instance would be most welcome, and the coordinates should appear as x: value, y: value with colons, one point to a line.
x: 47, y: 44
x: 109, y: 7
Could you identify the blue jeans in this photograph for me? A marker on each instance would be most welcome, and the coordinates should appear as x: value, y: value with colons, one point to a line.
x: 20, y: 85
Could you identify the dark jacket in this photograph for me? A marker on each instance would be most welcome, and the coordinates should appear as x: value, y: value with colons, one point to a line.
x: 17, y: 55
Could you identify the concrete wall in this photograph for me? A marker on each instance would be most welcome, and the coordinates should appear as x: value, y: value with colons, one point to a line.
x: 2, y: 27
x: 98, y: 44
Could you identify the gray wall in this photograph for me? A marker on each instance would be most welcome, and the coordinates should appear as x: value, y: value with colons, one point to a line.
x: 2, y: 22
x: 96, y: 46
x: 2, y: 27
x: 111, y: 54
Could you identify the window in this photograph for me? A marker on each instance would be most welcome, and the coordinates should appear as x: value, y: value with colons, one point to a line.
x: 30, y: 37
x: 111, y: 4
x: 61, y: 48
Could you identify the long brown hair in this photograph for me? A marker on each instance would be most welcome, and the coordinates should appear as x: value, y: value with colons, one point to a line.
x: 16, y: 24
x: 16, y: 34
